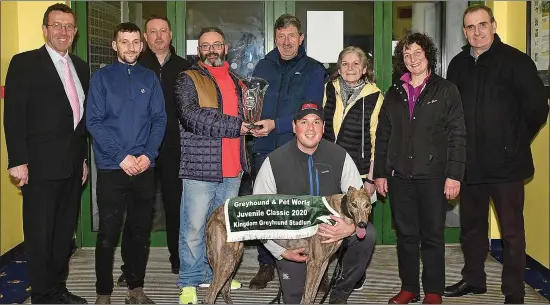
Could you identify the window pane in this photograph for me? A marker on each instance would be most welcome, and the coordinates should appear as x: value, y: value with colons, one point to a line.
x: 242, y: 23
x: 358, y: 22
x: 141, y: 10
x: 103, y: 17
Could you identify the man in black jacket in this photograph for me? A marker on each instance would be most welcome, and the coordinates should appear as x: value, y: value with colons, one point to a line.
x: 160, y: 56
x: 505, y: 105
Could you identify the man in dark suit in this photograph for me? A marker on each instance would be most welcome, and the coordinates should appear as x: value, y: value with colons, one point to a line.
x: 46, y: 141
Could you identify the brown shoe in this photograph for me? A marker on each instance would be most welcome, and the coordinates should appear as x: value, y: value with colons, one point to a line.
x: 137, y: 296
x: 265, y: 275
x: 103, y: 299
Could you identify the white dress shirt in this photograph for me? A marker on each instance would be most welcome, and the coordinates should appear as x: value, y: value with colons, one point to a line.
x: 60, y: 67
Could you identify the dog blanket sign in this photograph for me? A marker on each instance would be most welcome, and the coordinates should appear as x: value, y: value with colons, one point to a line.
x: 275, y: 216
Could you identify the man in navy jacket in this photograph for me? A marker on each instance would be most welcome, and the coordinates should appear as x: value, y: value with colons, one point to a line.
x: 127, y: 120
x: 293, y: 78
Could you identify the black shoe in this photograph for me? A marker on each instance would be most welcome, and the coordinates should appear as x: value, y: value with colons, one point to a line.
x: 462, y: 288
x: 359, y: 285
x: 512, y: 299
x: 68, y: 298
x: 122, y: 281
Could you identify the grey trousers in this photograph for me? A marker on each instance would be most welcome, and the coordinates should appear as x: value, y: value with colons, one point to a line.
x: 292, y: 275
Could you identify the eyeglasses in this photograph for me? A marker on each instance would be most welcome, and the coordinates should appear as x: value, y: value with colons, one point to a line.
x: 58, y: 26
x: 216, y: 45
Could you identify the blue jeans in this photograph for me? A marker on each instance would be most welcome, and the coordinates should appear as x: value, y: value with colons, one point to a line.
x: 199, y: 199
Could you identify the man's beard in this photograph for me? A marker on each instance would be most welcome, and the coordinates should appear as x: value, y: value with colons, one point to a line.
x: 124, y: 57
x: 218, y: 62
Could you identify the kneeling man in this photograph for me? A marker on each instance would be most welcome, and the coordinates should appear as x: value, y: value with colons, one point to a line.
x: 310, y: 165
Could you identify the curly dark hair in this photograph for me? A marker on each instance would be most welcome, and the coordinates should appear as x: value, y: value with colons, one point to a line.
x: 424, y: 41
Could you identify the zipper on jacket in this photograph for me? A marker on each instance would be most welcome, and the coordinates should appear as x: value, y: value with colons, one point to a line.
x: 310, y: 172
x: 130, y: 94
x: 313, y: 191
x: 277, y: 110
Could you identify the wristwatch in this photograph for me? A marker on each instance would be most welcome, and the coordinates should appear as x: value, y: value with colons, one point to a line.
x: 369, y: 181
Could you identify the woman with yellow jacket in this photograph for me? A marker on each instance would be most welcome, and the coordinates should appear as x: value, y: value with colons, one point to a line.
x: 352, y: 102
x: 351, y: 106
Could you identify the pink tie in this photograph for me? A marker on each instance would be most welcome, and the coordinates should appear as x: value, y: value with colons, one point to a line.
x: 71, y: 92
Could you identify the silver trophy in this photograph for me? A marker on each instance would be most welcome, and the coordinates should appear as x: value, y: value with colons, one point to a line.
x: 253, y: 100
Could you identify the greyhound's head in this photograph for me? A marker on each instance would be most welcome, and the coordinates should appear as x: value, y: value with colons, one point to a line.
x: 356, y: 205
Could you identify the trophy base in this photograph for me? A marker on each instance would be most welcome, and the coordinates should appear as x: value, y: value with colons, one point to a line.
x: 254, y: 126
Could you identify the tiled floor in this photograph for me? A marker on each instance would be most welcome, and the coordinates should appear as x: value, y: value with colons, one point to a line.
x: 382, y: 279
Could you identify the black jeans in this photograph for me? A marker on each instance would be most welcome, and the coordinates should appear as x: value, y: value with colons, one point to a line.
x: 50, y: 213
x: 357, y: 255
x: 419, y: 210
x: 118, y: 193
x: 264, y: 256
x: 168, y: 165
x: 508, y: 199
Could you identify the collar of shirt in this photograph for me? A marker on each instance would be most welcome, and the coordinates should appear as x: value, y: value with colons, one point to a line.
x: 56, y: 57
x: 167, y: 58
x: 407, y: 78
x: 473, y: 54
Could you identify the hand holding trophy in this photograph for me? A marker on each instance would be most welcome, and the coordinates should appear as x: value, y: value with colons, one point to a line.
x: 253, y: 100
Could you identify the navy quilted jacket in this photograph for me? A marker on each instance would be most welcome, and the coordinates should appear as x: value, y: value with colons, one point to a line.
x: 202, y: 130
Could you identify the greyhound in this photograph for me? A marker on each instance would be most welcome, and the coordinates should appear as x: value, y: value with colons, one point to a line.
x: 224, y: 256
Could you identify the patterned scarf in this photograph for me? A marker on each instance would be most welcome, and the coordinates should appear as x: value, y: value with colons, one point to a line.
x: 349, y: 93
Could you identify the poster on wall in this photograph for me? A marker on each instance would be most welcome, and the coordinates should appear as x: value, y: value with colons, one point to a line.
x: 539, y: 37
x: 323, y: 25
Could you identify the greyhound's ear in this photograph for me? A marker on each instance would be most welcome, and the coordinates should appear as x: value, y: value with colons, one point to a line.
x: 351, y: 189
